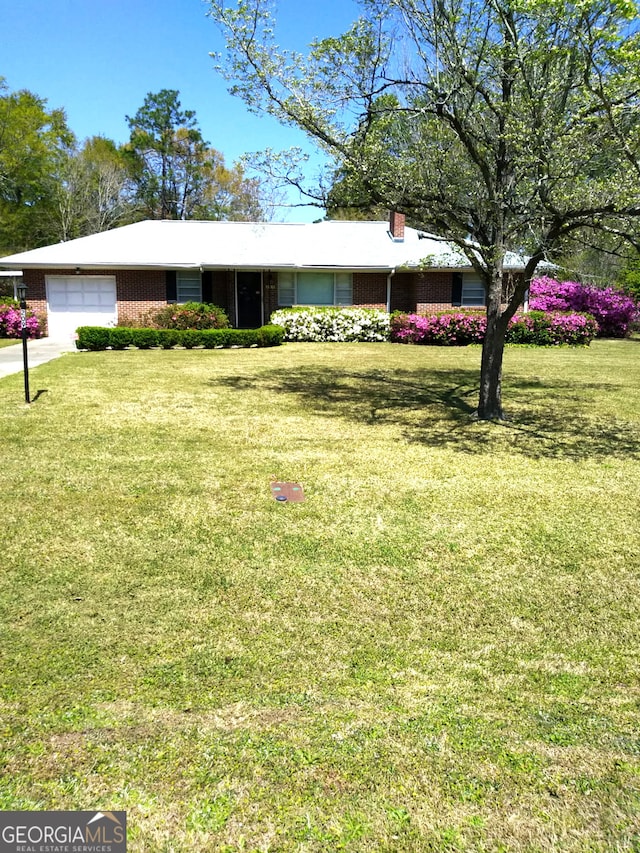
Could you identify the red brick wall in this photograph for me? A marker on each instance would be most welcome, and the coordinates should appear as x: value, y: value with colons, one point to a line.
x: 36, y: 293
x: 421, y: 291
x: 220, y: 294
x: 432, y: 290
x: 370, y: 290
x: 270, y: 293
x: 139, y: 292
x: 402, y: 292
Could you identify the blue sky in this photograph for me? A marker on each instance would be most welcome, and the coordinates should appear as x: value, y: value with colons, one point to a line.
x: 98, y: 59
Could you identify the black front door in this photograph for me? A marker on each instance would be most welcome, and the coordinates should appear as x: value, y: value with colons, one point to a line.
x: 249, y: 290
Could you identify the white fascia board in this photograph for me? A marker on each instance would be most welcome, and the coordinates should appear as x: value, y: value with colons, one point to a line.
x: 101, y: 265
x: 280, y: 267
x: 123, y: 265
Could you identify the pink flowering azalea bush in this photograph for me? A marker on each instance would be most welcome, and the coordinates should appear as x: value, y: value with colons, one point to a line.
x: 190, y: 315
x: 551, y: 328
x: 614, y: 310
x: 447, y: 328
x: 461, y: 327
x: 11, y: 325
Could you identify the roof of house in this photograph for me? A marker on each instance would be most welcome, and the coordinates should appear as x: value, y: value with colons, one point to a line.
x: 169, y: 244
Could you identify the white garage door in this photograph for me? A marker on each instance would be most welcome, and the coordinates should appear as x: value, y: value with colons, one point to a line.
x: 80, y: 301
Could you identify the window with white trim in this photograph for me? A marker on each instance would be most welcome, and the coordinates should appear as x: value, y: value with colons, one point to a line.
x: 315, y: 288
x: 189, y: 286
x: 473, y: 293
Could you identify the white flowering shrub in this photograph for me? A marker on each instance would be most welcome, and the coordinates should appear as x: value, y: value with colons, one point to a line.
x: 333, y: 324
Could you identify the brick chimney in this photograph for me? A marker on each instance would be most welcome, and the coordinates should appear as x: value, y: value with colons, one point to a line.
x: 396, y: 225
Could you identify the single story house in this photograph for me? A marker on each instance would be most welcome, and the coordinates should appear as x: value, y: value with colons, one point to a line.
x: 248, y: 268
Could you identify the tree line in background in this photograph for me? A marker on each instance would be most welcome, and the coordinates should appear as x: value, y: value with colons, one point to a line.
x: 53, y: 187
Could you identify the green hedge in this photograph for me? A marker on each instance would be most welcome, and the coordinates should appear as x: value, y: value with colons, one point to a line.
x: 99, y: 338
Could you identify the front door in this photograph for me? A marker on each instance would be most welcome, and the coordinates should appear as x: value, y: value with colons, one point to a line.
x: 249, y: 296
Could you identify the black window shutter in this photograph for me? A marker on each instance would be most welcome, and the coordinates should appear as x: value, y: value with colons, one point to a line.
x: 207, y: 286
x: 456, y: 289
x: 172, y: 286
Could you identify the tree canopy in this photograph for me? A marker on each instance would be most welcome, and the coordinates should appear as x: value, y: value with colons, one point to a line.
x: 176, y: 174
x: 94, y: 190
x: 498, y: 124
x: 33, y: 143
x: 54, y: 188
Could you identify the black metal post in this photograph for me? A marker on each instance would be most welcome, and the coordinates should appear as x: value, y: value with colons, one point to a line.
x: 25, y: 360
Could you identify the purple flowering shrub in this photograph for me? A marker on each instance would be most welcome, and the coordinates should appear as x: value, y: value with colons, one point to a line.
x: 614, y: 311
x: 460, y: 327
x: 11, y: 325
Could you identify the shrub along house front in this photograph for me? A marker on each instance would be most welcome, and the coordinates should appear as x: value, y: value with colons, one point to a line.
x: 248, y: 269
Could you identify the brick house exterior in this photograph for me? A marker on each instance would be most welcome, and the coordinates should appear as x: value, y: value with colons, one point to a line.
x: 141, y: 292
x: 248, y: 269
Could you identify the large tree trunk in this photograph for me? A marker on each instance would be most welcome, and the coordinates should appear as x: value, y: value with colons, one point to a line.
x: 490, y: 402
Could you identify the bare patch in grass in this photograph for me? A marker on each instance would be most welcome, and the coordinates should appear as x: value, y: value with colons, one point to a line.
x: 227, y: 718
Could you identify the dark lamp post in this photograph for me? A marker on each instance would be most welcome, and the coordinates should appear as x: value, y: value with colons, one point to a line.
x: 22, y: 296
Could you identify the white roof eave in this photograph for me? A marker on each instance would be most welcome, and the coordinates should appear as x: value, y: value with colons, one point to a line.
x: 123, y: 265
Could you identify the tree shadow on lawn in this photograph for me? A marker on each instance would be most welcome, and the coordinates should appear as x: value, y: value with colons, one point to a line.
x: 545, y: 419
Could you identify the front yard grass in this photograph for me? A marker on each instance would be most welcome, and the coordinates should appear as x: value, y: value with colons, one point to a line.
x: 437, y: 651
x: 7, y: 342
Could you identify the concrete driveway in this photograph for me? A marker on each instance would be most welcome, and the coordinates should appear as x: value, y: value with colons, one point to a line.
x: 39, y: 352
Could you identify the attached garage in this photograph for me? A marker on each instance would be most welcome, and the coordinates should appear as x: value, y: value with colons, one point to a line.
x: 77, y: 300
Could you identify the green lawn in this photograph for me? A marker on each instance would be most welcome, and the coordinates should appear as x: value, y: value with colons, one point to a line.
x: 437, y: 651
x: 7, y: 342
